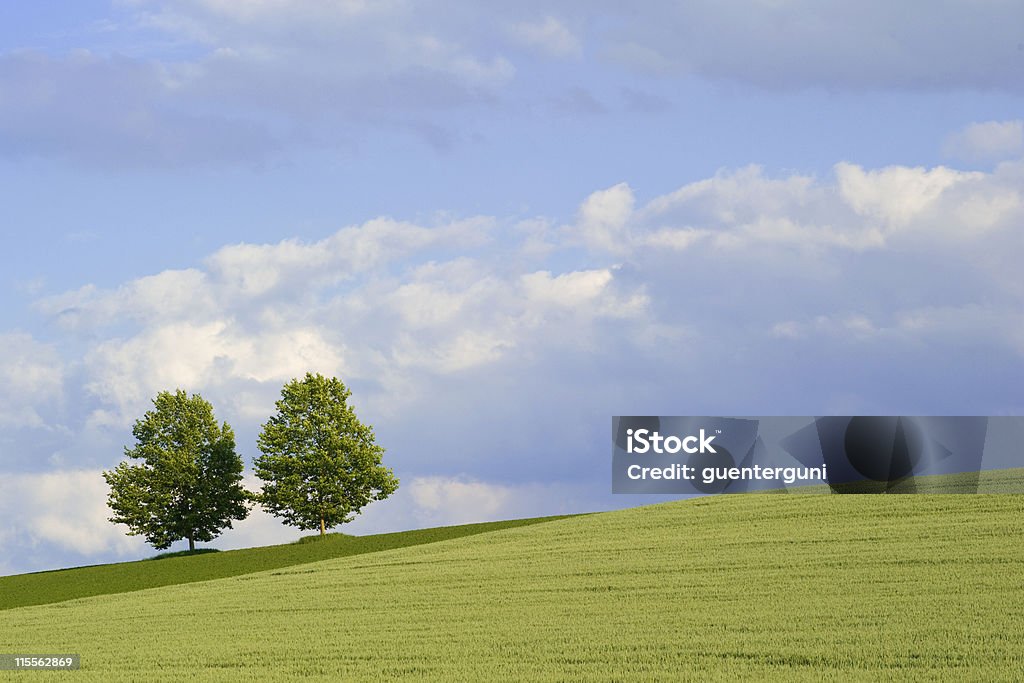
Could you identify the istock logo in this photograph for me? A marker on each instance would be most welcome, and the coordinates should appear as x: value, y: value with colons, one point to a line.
x: 642, y: 441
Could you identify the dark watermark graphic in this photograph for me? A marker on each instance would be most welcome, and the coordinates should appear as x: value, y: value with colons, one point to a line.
x: 842, y: 454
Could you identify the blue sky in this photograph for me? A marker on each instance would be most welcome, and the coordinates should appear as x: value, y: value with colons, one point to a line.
x: 500, y: 226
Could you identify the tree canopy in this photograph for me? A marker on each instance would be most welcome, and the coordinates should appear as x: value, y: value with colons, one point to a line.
x: 187, y: 484
x: 320, y: 464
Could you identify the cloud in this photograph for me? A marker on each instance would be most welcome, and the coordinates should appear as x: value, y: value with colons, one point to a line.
x: 395, y: 307
x: 988, y: 141
x: 126, y: 373
x: 247, y: 82
x: 858, y: 209
x: 361, y: 303
x: 255, y: 269
x: 393, y: 303
x: 459, y: 501
x: 603, y: 218
x: 61, y: 517
x: 897, y: 194
x: 432, y: 500
x: 811, y: 44
x: 169, y: 295
x: 324, y: 60
x: 31, y: 378
x: 46, y: 513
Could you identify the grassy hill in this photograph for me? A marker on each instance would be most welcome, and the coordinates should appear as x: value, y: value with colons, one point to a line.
x: 42, y: 588
x: 791, y: 587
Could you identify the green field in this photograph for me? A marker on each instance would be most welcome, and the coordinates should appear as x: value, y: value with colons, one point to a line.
x: 42, y: 588
x: 786, y: 587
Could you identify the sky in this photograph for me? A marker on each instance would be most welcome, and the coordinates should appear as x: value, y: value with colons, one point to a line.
x: 500, y: 224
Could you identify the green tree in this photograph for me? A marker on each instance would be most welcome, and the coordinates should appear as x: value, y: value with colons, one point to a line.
x: 188, y: 484
x: 320, y: 464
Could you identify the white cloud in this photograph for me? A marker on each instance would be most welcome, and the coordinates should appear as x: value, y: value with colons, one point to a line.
x: 738, y: 195
x: 603, y: 219
x: 897, y: 194
x: 393, y: 304
x: 65, y: 509
x: 568, y: 289
x: 258, y: 529
x: 126, y: 374
x: 64, y: 513
x: 31, y: 377
x: 457, y: 501
x: 861, y: 209
x: 170, y: 295
x: 251, y: 269
x: 988, y: 141
x: 360, y: 303
x: 436, y: 500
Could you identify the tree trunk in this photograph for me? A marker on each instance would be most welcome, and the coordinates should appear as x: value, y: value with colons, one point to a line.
x: 322, y: 528
x: 191, y: 544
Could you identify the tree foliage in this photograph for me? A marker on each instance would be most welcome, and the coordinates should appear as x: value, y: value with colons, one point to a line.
x: 188, y: 482
x: 320, y: 464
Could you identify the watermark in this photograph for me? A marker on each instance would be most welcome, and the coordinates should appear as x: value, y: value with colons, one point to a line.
x: 843, y: 454
x: 22, y: 662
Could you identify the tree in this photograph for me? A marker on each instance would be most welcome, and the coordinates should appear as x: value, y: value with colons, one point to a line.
x: 320, y: 464
x: 188, y: 484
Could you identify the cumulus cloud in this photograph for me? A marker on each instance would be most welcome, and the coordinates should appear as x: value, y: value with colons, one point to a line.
x: 395, y: 306
x: 359, y: 303
x: 857, y: 209
x: 127, y: 373
x: 988, y: 141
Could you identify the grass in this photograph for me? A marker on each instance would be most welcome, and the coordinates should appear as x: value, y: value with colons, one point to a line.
x: 204, y: 564
x: 985, y: 481
x: 749, y: 587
